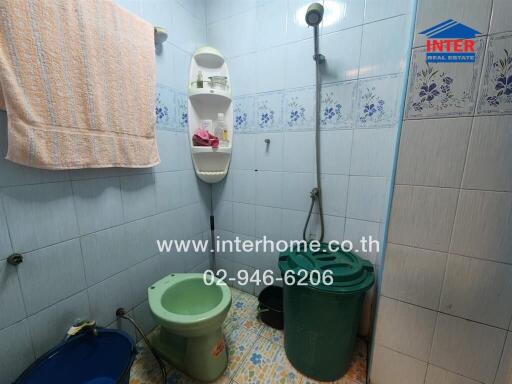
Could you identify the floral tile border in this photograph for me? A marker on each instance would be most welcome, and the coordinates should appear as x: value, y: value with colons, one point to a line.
x: 378, y: 101
x: 336, y: 108
x: 243, y: 114
x: 164, y: 110
x: 299, y: 109
x: 496, y: 85
x: 268, y: 112
x: 181, y: 104
x: 443, y: 89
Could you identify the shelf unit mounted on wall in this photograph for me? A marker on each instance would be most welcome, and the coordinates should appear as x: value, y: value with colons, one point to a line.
x: 205, y: 103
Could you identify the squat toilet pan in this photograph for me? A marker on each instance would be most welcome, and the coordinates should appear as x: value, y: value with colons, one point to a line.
x: 190, y: 314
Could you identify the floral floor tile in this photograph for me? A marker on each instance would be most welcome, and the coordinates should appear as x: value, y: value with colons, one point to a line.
x: 274, y: 335
x: 267, y: 363
x: 239, y: 344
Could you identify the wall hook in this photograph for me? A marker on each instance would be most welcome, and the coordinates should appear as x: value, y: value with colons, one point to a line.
x: 15, y: 259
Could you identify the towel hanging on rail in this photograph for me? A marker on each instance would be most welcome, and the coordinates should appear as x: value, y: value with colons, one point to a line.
x: 78, y: 83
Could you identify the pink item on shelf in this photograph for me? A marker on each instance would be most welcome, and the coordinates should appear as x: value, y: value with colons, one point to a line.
x: 203, y: 138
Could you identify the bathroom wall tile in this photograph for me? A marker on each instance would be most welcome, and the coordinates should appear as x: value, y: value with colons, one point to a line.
x: 422, y: 217
x: 109, y: 295
x: 224, y: 215
x: 269, y: 157
x: 181, y: 105
x: 186, y: 30
x: 372, y: 152
x: 433, y: 152
x: 383, y: 47
x: 223, y: 190
x: 244, y: 216
x: 299, y: 109
x: 140, y: 277
x: 165, y: 226
x: 11, y: 299
x: 334, y: 194
x: 98, y: 204
x: 51, y: 274
x: 164, y: 108
x: 269, y: 188
x: 377, y: 10
x: 338, y: 65
x: 16, y: 352
x: 478, y: 290
x: 164, y: 58
x: 271, y: 28
x: 296, y: 27
x: 437, y: 375
x: 413, y: 275
x: 337, y: 105
x: 5, y: 241
x: 219, y: 36
x: 300, y: 67
x: 243, y: 74
x: 342, y: 15
x: 169, y: 191
x: 335, y: 151
x: 367, y: 198
x: 377, y: 102
x: 499, y: 20
x: 294, y: 223
x: 405, y: 328
x: 489, y: 159
x: 483, y: 225
x: 245, y: 39
x: 244, y: 186
x: 244, y: 152
x: 269, y: 223
x: 180, y: 68
x: 243, y: 111
x: 195, y: 259
x: 357, y: 230
x: 28, y: 206
x: 474, y: 13
x: 139, y: 197
x: 299, y: 152
x: 467, y: 348
x: 191, y: 187
x: 334, y: 227
x: 48, y: 327
x: 270, y: 70
x: 144, y: 317
x: 296, y: 190
x: 171, y: 149
x: 218, y: 10
x: 268, y: 112
x: 505, y: 369
x: 443, y: 89
x: 390, y: 367
x: 495, y: 89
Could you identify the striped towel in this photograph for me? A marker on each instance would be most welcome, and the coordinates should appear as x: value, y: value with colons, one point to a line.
x: 78, y: 84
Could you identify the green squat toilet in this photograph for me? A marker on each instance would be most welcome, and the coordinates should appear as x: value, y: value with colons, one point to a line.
x: 190, y: 314
x: 321, y: 321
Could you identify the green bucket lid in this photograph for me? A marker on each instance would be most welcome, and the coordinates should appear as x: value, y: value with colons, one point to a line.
x: 350, y: 273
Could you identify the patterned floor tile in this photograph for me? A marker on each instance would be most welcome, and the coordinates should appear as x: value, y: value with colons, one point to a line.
x: 274, y: 335
x: 239, y: 343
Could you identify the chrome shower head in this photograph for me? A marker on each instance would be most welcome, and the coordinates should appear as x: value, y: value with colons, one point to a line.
x: 314, y: 14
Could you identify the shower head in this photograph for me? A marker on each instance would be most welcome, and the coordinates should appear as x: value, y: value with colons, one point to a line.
x: 314, y: 14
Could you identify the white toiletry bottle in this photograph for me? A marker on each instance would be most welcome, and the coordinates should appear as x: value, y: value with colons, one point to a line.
x: 221, y: 130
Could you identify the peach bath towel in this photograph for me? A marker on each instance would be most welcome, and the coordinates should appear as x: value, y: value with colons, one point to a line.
x: 78, y: 83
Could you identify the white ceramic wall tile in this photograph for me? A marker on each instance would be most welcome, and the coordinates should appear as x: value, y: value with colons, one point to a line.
x: 296, y: 26
x: 219, y: 36
x: 140, y: 277
x: 269, y: 157
x: 390, y: 367
x: 144, y: 317
x: 467, y: 348
x: 413, y: 275
x: 246, y: 26
x: 28, y: 206
x: 334, y: 228
x: 224, y: 215
x: 496, y: 84
x: 342, y: 14
x: 299, y: 109
x: 139, y: 197
x: 244, y: 154
x: 405, y: 328
x: 356, y: 230
x: 270, y: 70
x: 372, y: 152
x: 269, y: 188
x: 268, y: 223
x: 337, y: 105
x: 244, y: 186
x: 269, y: 112
x: 271, y: 25
x: 478, y: 290
x: 244, y: 218
x: 243, y: 74
x: 294, y: 223
x: 165, y: 111
x: 5, y: 241
x: 335, y: 151
x: 223, y: 190
x: 436, y: 375
x: 489, y: 159
x: 334, y: 194
x: 473, y: 13
x: 422, y: 216
x: 377, y: 9
x: 505, y: 369
x: 296, y: 190
x: 11, y: 299
x: 299, y: 152
x: 377, y: 102
x: 483, y: 226
x: 169, y: 190
x: 340, y: 66
x: 432, y: 152
x: 243, y: 110
x: 443, y: 89
x: 43, y: 286
x: 367, y: 198
x: 383, y: 47
x: 186, y: 31
x: 500, y: 22
x: 300, y: 66
x: 16, y: 352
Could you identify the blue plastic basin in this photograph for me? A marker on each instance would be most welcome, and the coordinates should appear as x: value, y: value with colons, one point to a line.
x: 105, y: 358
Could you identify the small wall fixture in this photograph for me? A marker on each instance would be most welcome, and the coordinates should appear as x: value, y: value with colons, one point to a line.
x: 15, y: 259
x: 160, y: 35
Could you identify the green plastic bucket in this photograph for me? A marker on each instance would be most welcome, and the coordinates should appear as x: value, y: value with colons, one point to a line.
x: 321, y: 320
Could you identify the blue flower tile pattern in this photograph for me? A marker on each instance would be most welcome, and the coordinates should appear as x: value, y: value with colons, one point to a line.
x: 243, y: 114
x: 181, y: 103
x: 269, y: 111
x: 496, y: 89
x: 378, y: 102
x: 164, y: 109
x: 443, y: 89
x: 337, y: 105
x: 299, y: 109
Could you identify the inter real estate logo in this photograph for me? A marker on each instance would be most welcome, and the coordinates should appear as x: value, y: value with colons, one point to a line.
x: 450, y: 42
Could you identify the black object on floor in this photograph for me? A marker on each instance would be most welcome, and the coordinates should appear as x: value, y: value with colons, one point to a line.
x: 270, y: 308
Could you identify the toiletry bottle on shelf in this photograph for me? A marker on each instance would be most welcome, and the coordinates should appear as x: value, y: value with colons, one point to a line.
x: 221, y: 130
x: 199, y: 79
